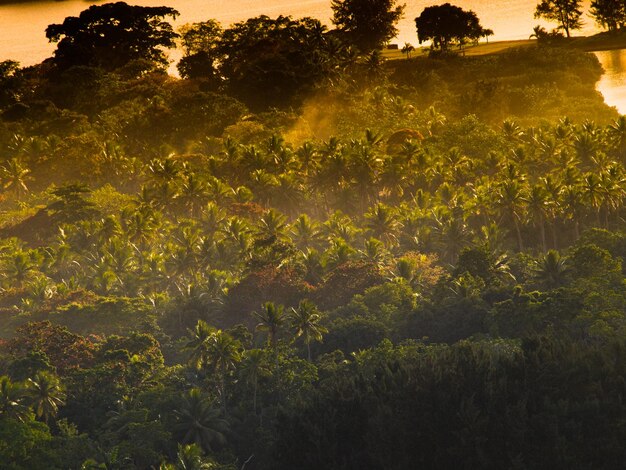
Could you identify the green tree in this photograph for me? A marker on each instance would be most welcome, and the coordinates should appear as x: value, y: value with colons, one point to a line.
x: 223, y: 352
x: 46, y: 395
x: 567, y: 13
x: 305, y: 320
x: 14, y: 175
x: 112, y: 35
x: 197, y: 344
x: 367, y: 24
x: 271, y: 320
x: 609, y: 14
x: 13, y: 400
x: 551, y: 269
x: 447, y: 24
x: 272, y: 62
x: 252, y: 367
x: 198, y: 422
x: 200, y: 43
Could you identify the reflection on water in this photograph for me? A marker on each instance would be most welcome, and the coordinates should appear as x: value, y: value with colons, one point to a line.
x: 612, y: 85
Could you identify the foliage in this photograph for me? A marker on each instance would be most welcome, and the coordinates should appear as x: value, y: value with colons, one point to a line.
x: 566, y: 13
x: 367, y: 24
x: 112, y: 35
x: 446, y: 25
x: 412, y: 263
x: 608, y: 14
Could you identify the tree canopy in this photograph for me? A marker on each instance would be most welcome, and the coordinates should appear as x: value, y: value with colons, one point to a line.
x: 367, y: 24
x: 567, y: 13
x: 113, y: 34
x: 609, y: 14
x: 447, y: 24
x: 272, y: 61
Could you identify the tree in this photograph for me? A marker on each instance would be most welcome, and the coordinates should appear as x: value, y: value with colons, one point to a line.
x: 407, y: 49
x: 610, y: 14
x: 112, y: 35
x: 367, y: 24
x: 222, y: 354
x: 271, y: 319
x: 46, y: 395
x: 566, y: 13
x: 552, y: 269
x: 447, y: 24
x: 200, y: 42
x: 13, y: 400
x: 198, y: 344
x: 272, y: 61
x: 305, y: 320
x: 198, y: 422
x: 14, y: 176
x: 253, y: 366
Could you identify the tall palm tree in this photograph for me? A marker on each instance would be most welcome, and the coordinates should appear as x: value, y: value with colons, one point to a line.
x: 305, y: 320
x: 46, y: 395
x: 199, y: 422
x: 197, y: 344
x: 223, y: 352
x: 511, y: 198
x: 253, y: 366
x: 537, y: 200
x: 271, y: 319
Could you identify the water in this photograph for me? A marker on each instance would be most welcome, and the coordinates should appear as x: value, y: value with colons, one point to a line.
x: 612, y: 85
x: 22, y: 25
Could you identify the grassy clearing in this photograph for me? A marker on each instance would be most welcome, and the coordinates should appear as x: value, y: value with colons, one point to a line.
x: 598, y: 42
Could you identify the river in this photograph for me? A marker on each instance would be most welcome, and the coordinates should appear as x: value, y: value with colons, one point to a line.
x: 612, y: 85
x: 22, y: 25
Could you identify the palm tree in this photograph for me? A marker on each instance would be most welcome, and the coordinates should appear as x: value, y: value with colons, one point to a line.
x: 511, y: 197
x: 189, y: 457
x: 536, y: 201
x: 617, y: 135
x: 407, y: 49
x: 199, y: 422
x: 223, y: 352
x: 197, y: 344
x: 14, y: 175
x: 271, y: 319
x: 383, y: 224
x: 46, y: 395
x: 304, y: 232
x: 311, y: 260
x: 551, y: 269
x: 18, y: 266
x: 12, y: 400
x: 592, y: 193
x: 452, y: 235
x: 272, y: 225
x: 251, y: 368
x: 305, y: 320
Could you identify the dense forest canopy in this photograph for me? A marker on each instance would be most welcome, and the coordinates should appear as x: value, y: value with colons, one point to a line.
x: 302, y: 255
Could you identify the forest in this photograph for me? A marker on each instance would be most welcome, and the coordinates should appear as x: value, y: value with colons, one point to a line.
x: 296, y: 254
